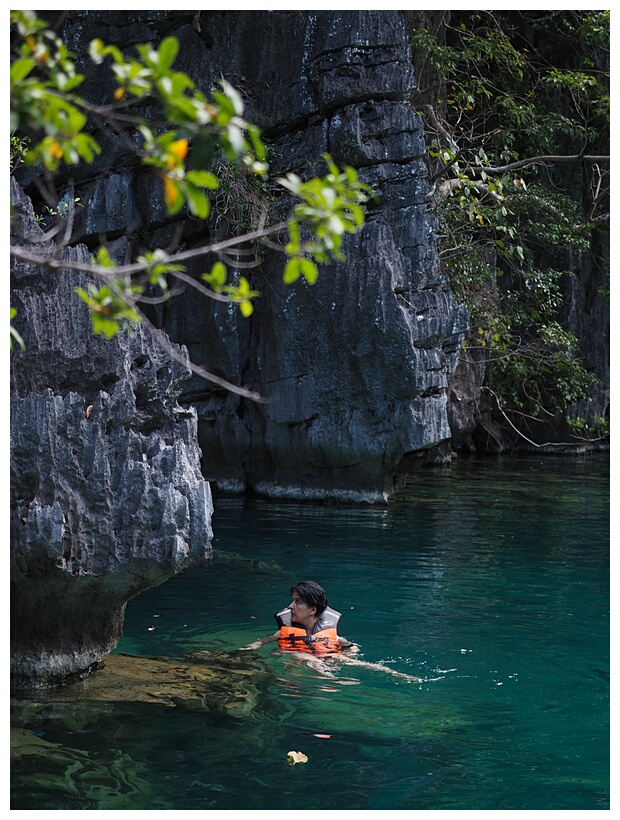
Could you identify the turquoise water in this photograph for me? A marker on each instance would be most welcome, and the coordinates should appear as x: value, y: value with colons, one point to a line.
x: 488, y: 578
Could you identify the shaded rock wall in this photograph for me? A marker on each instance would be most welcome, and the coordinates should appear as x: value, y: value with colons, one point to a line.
x: 107, y: 497
x: 356, y: 368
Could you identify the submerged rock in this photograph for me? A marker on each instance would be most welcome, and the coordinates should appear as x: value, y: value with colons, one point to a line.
x: 55, y: 775
x: 132, y: 695
x: 209, y: 680
x: 253, y: 565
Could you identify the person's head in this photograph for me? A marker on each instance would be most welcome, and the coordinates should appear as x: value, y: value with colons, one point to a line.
x: 312, y: 595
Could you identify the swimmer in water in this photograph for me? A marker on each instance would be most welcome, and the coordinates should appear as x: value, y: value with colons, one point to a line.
x: 308, y: 631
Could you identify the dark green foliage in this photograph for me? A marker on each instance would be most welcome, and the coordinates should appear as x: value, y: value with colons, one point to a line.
x: 512, y: 97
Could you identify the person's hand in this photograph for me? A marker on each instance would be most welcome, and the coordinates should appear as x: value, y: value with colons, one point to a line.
x: 253, y: 645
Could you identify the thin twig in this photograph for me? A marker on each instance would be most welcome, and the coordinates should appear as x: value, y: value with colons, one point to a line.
x: 136, y: 267
x: 162, y: 340
x: 523, y: 163
x: 519, y: 433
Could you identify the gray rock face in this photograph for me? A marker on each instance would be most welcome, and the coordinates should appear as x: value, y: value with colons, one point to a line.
x: 355, y: 368
x: 107, y: 496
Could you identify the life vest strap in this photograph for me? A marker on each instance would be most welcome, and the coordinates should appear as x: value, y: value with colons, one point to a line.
x: 306, y: 639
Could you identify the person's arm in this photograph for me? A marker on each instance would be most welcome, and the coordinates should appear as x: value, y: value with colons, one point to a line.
x: 348, y: 645
x: 257, y: 644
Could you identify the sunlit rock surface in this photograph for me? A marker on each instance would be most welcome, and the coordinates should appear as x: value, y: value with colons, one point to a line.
x: 107, y: 496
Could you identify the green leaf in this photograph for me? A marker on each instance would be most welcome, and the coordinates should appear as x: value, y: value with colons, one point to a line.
x: 246, y: 308
x: 203, y: 179
x: 309, y: 270
x: 202, y: 151
x: 235, y: 139
x: 98, y: 51
x: 20, y: 69
x: 14, y: 335
x: 167, y: 52
x: 257, y: 144
x: 234, y: 97
x: 227, y: 109
x: 107, y: 327
x: 291, y: 182
x: 292, y: 271
x: 198, y: 203
x: 103, y: 258
x: 217, y: 277
x: 87, y: 147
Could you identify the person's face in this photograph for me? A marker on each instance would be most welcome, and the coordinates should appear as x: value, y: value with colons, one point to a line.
x: 301, y: 612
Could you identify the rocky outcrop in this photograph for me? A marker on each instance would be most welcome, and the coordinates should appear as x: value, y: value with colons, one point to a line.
x: 354, y: 369
x: 107, y: 497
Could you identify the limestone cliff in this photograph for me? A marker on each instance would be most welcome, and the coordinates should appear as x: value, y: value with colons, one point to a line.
x: 355, y: 368
x: 107, y: 497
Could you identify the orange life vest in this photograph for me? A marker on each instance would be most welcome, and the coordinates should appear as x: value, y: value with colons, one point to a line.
x: 322, y: 641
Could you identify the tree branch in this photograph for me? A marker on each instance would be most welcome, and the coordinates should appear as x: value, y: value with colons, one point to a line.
x: 136, y: 267
x: 524, y: 163
x: 163, y: 341
x: 429, y: 112
x: 519, y: 433
x: 449, y: 185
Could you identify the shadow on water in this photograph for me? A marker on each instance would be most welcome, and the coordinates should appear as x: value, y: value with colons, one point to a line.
x: 489, y: 579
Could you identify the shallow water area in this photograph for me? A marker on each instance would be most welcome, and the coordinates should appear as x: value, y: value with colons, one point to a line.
x: 488, y: 578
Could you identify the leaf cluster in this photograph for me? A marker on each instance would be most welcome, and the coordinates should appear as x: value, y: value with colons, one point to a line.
x: 42, y: 79
x: 329, y: 207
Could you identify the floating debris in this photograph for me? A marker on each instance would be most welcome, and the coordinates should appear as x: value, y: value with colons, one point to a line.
x: 296, y: 757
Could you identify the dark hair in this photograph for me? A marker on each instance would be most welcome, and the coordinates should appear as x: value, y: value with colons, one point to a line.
x: 312, y: 595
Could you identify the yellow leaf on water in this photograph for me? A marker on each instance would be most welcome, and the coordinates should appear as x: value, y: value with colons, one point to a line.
x: 296, y: 757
